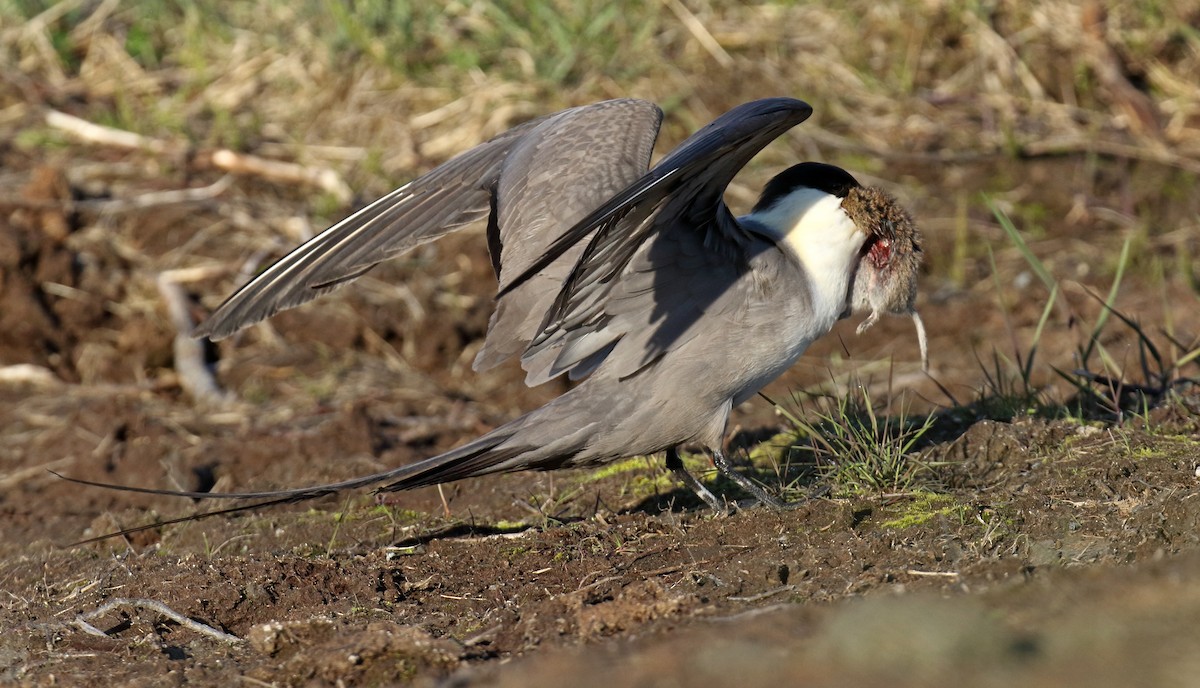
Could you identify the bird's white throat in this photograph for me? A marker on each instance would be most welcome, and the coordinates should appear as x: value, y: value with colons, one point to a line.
x: 814, y: 227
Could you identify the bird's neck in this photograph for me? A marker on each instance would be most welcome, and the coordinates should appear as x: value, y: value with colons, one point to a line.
x: 812, y: 226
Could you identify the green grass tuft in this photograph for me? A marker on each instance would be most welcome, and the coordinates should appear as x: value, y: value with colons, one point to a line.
x: 854, y: 447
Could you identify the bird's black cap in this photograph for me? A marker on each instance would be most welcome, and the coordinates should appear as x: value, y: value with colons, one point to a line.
x: 831, y: 179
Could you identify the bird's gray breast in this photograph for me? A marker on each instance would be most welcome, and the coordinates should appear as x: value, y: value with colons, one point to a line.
x: 778, y: 323
x: 713, y: 324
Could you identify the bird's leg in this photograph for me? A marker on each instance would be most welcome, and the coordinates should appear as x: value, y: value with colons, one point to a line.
x: 726, y: 469
x: 676, y: 465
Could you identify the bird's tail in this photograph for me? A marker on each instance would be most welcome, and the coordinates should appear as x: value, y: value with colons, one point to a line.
x: 491, y: 453
x: 471, y: 459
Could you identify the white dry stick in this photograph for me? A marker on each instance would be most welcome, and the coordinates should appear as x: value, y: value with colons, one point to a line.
x: 700, y: 33
x: 81, y: 621
x: 143, y: 201
x: 195, y: 376
x: 108, y: 136
x: 323, y: 178
x: 933, y: 574
x: 28, y: 374
x: 159, y: 198
x: 19, y: 476
x: 922, y: 340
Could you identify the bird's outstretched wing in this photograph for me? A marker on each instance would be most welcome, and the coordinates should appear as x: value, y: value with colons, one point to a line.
x: 455, y: 194
x: 620, y: 283
x: 552, y: 178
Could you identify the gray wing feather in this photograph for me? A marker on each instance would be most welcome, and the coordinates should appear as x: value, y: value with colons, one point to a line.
x: 669, y: 286
x: 552, y: 179
x: 452, y: 195
x: 641, y: 277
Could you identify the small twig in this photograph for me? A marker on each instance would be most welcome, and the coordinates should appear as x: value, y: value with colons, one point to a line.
x: 235, y: 538
x: 28, y: 374
x: 482, y: 636
x: 1072, y: 144
x: 323, y: 178
x: 195, y: 375
x: 751, y: 613
x: 933, y: 574
x: 21, y: 475
x: 81, y: 621
x: 700, y: 33
x: 1064, y: 145
x: 462, y: 597
x: 159, y: 198
x: 89, y: 132
x: 143, y: 201
x: 595, y: 583
x: 762, y: 595
x: 88, y: 628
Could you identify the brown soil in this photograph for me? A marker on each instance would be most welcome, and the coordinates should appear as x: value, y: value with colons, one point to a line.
x: 1057, y: 551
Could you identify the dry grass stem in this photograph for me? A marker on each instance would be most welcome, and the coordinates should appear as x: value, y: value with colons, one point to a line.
x: 195, y: 374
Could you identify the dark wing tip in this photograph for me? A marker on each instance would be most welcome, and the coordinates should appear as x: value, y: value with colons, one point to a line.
x: 771, y: 107
x: 218, y: 325
x: 207, y: 329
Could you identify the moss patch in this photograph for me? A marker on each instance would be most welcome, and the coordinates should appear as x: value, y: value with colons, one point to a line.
x: 925, y: 507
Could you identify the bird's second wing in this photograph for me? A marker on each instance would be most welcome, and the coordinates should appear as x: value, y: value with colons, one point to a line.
x: 678, y: 277
x: 683, y: 193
